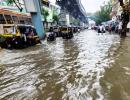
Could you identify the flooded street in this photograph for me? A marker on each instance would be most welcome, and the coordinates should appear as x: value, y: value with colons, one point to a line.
x: 88, y: 67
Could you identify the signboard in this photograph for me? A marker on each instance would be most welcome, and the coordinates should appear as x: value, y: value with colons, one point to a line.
x: 30, y: 6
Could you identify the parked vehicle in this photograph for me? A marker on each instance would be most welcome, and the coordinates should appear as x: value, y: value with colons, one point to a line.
x: 16, y: 30
x: 51, y: 35
x: 18, y: 36
x: 67, y: 32
x: 57, y: 32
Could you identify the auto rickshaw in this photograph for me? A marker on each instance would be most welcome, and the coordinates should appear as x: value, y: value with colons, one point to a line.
x: 75, y: 30
x: 28, y: 35
x: 51, y: 36
x: 18, y: 36
x: 57, y: 32
x: 6, y: 36
x: 67, y: 32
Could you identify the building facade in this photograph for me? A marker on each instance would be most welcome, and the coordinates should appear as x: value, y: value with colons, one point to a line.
x: 52, y: 9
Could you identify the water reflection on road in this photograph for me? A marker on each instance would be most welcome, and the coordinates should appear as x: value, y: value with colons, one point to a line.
x: 61, y: 70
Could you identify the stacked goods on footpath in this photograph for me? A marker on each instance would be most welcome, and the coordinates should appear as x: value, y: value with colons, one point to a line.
x: 16, y: 30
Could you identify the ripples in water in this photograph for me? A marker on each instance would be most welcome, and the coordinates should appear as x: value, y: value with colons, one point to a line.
x: 64, y: 69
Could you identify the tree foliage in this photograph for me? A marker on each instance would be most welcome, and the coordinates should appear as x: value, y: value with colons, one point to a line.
x: 103, y: 14
x: 45, y: 13
x: 55, y: 18
x: 16, y: 2
x: 9, y: 2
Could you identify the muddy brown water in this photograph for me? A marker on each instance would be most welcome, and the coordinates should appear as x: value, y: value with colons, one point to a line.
x: 88, y: 67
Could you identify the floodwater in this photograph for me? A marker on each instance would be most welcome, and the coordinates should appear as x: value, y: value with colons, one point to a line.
x: 88, y: 67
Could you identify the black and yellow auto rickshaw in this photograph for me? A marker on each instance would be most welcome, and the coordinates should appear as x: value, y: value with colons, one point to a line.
x: 18, y: 36
x: 67, y: 32
x: 57, y: 32
x: 51, y: 36
x: 7, y: 35
x: 28, y: 35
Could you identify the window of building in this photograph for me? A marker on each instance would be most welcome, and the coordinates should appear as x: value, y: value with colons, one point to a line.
x: 8, y: 19
x: 29, y: 21
x: 21, y: 20
x: 15, y: 19
x: 2, y: 20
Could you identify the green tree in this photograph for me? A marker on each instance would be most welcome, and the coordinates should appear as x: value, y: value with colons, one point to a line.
x: 16, y: 2
x: 9, y: 2
x: 45, y: 14
x: 55, y: 18
x: 103, y: 14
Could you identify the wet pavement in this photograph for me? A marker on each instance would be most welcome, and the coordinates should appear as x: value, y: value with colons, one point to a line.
x: 88, y: 67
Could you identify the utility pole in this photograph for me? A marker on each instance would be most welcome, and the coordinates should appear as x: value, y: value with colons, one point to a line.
x: 34, y: 8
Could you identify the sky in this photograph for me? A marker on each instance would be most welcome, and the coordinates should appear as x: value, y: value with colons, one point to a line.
x: 90, y: 6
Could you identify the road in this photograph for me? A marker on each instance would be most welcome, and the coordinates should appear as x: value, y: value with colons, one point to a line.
x: 88, y: 67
